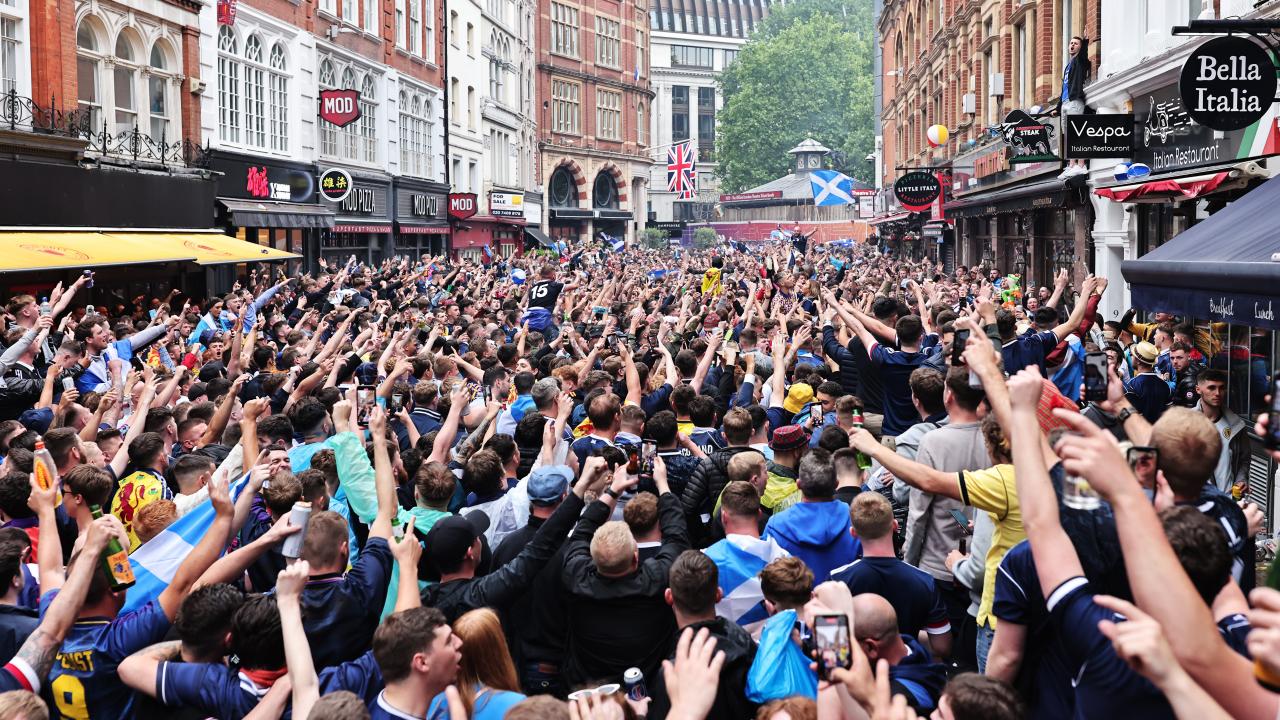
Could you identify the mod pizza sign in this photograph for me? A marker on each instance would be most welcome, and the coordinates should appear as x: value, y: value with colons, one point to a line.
x: 340, y: 107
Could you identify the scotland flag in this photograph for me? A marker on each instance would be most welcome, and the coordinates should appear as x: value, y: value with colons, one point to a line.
x: 831, y: 188
x: 740, y: 560
x: 616, y: 243
x: 157, y: 561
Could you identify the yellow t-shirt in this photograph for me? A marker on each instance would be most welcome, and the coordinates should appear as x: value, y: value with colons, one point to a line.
x: 136, y: 492
x: 993, y: 490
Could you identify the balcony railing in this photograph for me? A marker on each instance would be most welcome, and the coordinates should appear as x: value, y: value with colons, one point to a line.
x: 23, y: 114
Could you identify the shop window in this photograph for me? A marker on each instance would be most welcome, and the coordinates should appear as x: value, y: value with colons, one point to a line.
x: 415, y: 133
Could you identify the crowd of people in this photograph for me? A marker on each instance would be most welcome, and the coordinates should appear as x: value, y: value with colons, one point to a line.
x: 784, y: 481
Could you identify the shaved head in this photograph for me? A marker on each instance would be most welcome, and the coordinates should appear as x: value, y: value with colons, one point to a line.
x: 876, y: 618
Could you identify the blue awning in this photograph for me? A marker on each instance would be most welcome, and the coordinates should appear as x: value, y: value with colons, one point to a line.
x: 1225, y: 268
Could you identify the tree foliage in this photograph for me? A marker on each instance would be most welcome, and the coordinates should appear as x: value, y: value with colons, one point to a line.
x: 656, y: 239
x: 805, y: 73
x: 704, y: 238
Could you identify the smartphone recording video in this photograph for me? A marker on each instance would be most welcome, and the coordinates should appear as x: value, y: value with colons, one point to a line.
x: 831, y: 636
x: 365, y: 400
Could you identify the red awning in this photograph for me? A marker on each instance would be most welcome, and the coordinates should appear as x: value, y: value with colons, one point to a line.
x: 1187, y: 188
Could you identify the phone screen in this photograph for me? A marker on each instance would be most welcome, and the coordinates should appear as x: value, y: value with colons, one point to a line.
x: 831, y: 636
x: 397, y: 402
x: 365, y: 395
x: 962, y: 520
x: 648, y: 452
x: 1143, y: 462
x: 958, y: 343
x: 1095, y: 376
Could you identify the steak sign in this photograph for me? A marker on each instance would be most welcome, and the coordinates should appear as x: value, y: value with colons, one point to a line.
x: 340, y: 107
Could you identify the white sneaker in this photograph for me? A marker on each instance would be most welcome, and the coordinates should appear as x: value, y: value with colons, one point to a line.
x: 1082, y: 170
x: 1069, y: 172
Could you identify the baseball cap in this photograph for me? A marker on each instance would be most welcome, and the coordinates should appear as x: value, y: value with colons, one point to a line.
x: 548, y: 483
x: 212, y: 371
x: 788, y: 437
x: 449, y: 539
x: 798, y: 396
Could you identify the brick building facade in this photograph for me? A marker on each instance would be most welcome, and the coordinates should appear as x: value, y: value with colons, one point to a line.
x: 593, y: 84
x: 966, y: 64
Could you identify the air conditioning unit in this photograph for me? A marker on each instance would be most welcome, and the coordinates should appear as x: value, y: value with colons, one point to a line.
x: 968, y: 103
x: 995, y: 83
x: 195, y: 85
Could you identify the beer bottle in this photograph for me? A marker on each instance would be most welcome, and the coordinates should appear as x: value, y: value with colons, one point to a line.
x: 115, y: 561
x: 863, y: 461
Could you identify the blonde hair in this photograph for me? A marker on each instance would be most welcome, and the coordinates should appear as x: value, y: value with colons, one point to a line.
x: 613, y: 549
x: 22, y: 705
x: 487, y: 661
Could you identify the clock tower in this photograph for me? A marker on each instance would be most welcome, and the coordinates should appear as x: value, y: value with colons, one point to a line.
x: 808, y: 155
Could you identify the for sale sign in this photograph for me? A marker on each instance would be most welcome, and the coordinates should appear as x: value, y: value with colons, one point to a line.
x: 340, y: 107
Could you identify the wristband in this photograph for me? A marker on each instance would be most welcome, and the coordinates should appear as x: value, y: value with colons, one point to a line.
x: 611, y: 492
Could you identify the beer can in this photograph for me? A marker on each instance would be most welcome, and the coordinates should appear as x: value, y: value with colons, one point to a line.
x: 298, y: 517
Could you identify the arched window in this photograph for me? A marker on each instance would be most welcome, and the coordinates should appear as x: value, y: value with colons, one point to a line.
x: 328, y: 133
x: 279, y: 88
x: 415, y: 133
x: 125, y: 80
x: 89, y: 72
x: 255, y: 94
x: 604, y: 192
x: 369, y: 119
x: 350, y: 144
x: 229, y: 68
x: 158, y: 94
x: 563, y: 189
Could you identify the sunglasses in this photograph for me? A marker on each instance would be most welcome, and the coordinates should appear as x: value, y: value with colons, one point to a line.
x: 585, y: 693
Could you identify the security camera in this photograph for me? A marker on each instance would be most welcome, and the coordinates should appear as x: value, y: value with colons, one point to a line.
x: 871, y: 158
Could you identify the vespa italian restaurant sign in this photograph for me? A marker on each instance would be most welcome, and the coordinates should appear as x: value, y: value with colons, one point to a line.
x: 1227, y: 83
x: 1099, y: 136
x: 917, y: 190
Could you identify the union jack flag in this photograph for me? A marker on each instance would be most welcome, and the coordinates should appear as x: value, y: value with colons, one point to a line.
x: 682, y: 174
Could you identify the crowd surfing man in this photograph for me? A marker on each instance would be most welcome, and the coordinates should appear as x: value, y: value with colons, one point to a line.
x: 595, y: 485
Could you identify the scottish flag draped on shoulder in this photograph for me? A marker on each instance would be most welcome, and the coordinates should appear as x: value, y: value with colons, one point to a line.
x: 831, y: 187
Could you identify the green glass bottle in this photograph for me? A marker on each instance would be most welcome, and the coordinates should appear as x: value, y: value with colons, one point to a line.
x: 115, y: 561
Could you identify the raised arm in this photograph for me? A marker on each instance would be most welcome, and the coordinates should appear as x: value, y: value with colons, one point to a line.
x: 1077, y: 313
x: 297, y: 651
x: 919, y: 476
x: 383, y: 476
x: 204, y: 553
x: 1160, y: 585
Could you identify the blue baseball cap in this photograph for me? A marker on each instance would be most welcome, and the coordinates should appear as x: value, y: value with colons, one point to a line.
x: 547, y: 484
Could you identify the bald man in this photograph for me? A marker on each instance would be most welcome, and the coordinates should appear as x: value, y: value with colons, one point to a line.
x: 912, y: 671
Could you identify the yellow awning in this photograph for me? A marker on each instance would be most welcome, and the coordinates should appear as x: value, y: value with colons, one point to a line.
x: 208, y: 248
x: 51, y: 250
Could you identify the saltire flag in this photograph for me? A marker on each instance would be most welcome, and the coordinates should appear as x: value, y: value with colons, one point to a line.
x: 682, y: 174
x: 616, y: 243
x: 657, y: 274
x: 518, y: 276
x: 831, y: 188
x: 156, y: 562
x: 740, y: 559
x: 488, y: 252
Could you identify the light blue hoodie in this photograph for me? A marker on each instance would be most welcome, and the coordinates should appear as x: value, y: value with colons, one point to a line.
x: 818, y: 534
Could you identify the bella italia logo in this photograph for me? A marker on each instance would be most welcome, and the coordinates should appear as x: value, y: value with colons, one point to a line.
x: 1227, y: 83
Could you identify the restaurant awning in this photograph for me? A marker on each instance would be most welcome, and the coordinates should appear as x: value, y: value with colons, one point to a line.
x: 27, y: 250
x: 1223, y: 268
x: 1187, y: 187
x: 208, y: 248
x: 888, y: 219
x: 271, y: 214
x: 22, y: 250
x: 1051, y: 193
x: 538, y: 236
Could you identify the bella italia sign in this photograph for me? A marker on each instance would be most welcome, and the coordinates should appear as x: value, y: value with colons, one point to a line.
x: 1228, y: 83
